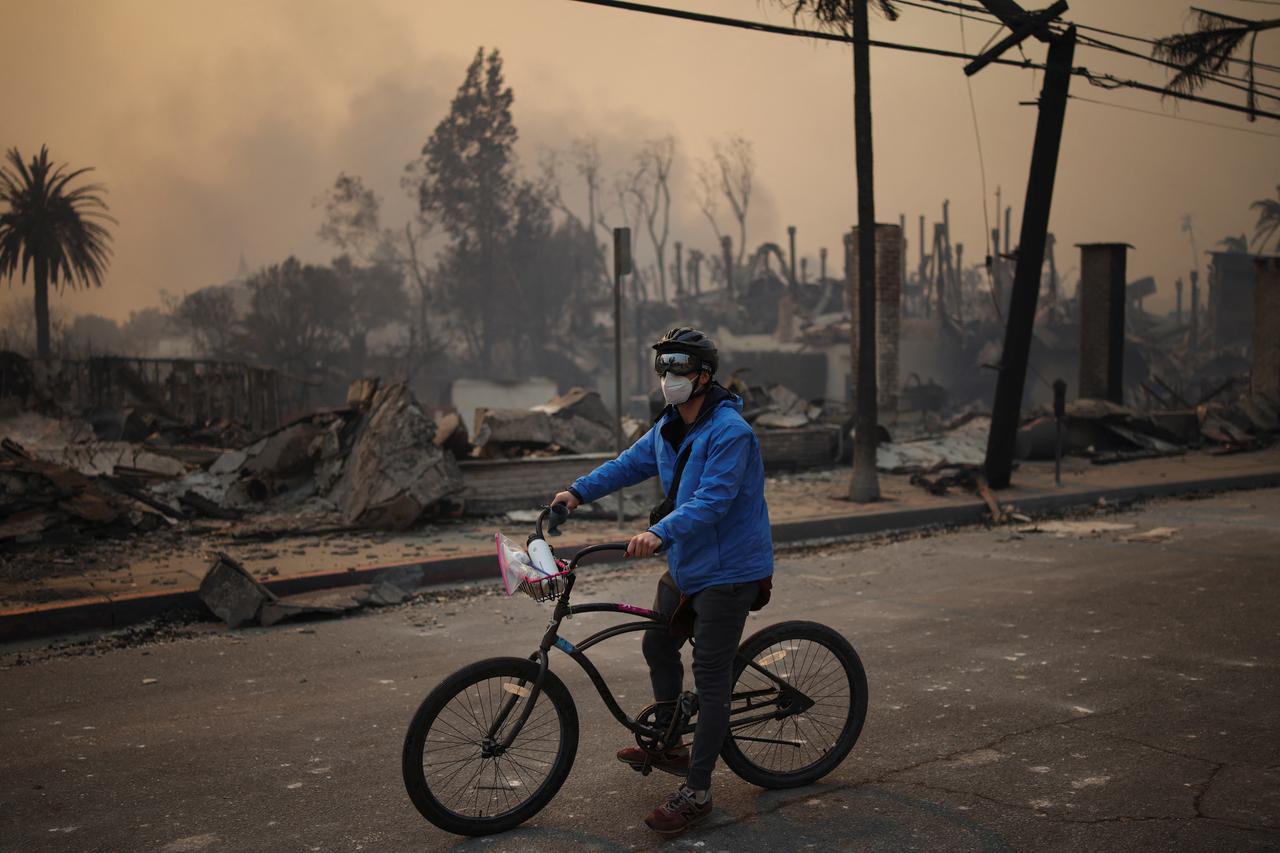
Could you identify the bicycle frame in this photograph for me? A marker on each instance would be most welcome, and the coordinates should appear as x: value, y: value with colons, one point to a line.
x: 787, y: 701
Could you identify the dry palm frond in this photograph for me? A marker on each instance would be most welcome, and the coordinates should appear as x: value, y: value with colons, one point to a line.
x: 1268, y: 221
x: 836, y: 15
x: 1209, y: 50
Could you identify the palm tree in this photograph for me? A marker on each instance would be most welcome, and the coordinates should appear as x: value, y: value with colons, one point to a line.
x: 53, y: 230
x: 850, y: 16
x: 1268, y: 221
x: 1209, y: 49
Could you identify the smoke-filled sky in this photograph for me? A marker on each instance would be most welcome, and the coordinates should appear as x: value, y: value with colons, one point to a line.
x: 216, y: 123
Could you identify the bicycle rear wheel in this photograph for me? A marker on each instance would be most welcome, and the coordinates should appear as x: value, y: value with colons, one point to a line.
x: 462, y: 787
x: 803, y: 747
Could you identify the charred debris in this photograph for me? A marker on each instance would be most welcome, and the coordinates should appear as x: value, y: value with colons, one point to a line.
x: 121, y: 446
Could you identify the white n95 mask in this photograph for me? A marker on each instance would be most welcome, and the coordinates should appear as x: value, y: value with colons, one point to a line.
x: 676, y: 389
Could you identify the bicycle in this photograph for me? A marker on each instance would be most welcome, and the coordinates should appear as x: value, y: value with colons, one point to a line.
x: 491, y: 745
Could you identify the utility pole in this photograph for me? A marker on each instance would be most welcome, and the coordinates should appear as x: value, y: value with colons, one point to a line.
x: 864, y: 486
x: 621, y: 267
x: 679, y: 268
x: 1006, y: 411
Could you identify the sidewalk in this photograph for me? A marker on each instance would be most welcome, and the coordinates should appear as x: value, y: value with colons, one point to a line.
x: 111, y: 584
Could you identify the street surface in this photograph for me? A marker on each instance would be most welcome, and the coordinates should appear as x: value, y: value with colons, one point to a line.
x: 1028, y: 691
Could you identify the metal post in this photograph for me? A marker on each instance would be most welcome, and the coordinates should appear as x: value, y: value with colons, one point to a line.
x: 1195, y: 311
x: 726, y: 250
x: 1059, y: 414
x: 1026, y: 282
x: 791, y: 239
x: 621, y: 266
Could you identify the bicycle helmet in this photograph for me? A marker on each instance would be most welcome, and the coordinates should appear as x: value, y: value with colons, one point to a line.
x: 691, y: 342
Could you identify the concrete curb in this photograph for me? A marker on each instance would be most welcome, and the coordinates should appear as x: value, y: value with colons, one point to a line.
x: 117, y: 612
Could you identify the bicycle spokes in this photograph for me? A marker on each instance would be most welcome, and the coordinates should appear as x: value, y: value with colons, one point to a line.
x: 465, y: 761
x: 790, y: 708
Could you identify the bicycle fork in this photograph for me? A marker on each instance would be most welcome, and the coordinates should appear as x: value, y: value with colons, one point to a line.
x: 490, y: 747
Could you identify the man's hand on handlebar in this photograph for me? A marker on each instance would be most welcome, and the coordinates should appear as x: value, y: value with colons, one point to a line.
x: 567, y: 499
x: 644, y: 544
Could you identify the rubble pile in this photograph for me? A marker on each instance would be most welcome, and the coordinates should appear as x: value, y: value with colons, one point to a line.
x: 376, y: 462
x: 1106, y: 432
x: 38, y: 496
x: 395, y: 473
x: 508, y: 433
x: 379, y: 462
x: 239, y: 599
x: 574, y: 422
x: 962, y: 443
x: 580, y: 422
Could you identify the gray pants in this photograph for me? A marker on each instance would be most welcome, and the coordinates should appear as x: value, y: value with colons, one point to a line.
x: 717, y: 631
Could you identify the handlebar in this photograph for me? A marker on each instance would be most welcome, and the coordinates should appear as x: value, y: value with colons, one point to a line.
x: 556, y: 515
x: 559, y: 514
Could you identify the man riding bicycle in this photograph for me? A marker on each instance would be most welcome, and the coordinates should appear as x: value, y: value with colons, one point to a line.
x: 715, y: 529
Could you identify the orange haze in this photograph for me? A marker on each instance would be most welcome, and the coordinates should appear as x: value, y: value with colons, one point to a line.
x: 214, y: 123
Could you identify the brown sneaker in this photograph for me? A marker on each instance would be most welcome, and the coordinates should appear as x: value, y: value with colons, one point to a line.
x: 679, y: 812
x: 675, y: 762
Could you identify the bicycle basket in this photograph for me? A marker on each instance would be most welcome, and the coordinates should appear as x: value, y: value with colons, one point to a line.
x: 544, y: 589
x: 519, y: 573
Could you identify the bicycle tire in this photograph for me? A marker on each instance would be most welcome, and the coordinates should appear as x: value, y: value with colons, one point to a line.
x: 451, y: 722
x: 804, y: 643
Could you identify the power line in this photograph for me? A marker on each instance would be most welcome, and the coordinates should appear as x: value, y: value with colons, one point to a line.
x: 1106, y: 81
x: 1223, y: 79
x: 1228, y: 80
x: 1175, y: 118
x: 760, y: 26
x: 1110, y: 81
x: 968, y: 7
x: 982, y: 171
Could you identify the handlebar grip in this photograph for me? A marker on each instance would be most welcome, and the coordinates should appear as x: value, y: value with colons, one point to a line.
x: 559, y: 515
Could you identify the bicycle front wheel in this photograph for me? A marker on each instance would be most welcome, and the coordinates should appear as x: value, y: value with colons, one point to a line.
x: 452, y: 772
x: 799, y: 748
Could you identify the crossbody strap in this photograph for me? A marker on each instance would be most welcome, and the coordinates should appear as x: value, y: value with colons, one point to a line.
x: 675, y: 479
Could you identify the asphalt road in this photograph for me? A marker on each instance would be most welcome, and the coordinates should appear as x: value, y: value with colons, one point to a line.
x: 1027, y: 692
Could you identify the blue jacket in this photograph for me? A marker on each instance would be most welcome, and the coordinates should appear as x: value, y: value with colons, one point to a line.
x: 718, y: 532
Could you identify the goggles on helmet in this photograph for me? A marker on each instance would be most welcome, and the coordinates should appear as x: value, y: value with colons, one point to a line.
x: 679, y: 363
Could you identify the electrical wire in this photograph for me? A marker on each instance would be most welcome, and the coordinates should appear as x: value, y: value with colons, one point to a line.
x: 1175, y: 118
x: 1110, y: 81
x: 1239, y: 83
x: 759, y: 26
x: 968, y: 7
x: 982, y: 171
x: 1107, y: 81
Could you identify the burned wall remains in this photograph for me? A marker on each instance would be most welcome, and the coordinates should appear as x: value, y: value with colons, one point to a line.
x: 890, y: 249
